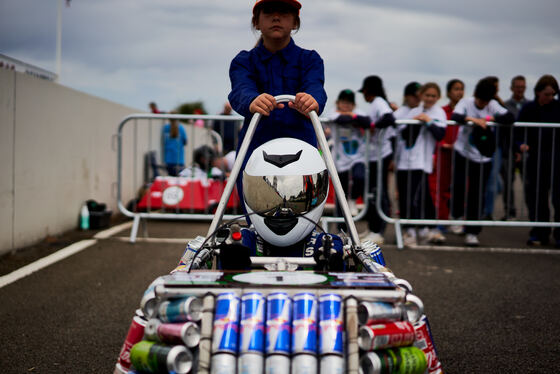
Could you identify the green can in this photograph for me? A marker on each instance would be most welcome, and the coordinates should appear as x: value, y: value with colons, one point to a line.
x: 403, y: 360
x: 158, y: 358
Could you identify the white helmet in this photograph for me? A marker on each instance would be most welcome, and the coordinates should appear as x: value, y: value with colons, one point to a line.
x: 285, y: 179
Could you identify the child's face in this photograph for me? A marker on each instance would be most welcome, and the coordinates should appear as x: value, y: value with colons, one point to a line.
x: 429, y: 97
x: 412, y: 101
x: 276, y: 24
x: 456, y: 92
x: 480, y: 104
x: 344, y: 106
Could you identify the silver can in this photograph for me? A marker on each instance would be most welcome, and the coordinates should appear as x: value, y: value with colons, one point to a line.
x: 372, y: 312
x: 277, y: 364
x: 304, y: 364
x: 148, y: 302
x: 223, y: 363
x: 250, y: 362
x: 179, y: 360
x: 181, y: 310
x: 332, y: 364
x: 119, y: 369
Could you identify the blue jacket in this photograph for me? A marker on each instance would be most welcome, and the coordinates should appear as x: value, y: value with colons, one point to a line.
x: 173, y: 148
x: 289, y: 71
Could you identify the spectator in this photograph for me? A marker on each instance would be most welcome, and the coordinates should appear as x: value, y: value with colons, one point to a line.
x: 154, y: 108
x: 275, y: 66
x: 174, y: 139
x: 380, y: 149
x: 228, y: 130
x: 511, y: 161
x: 349, y: 147
x: 440, y: 179
x: 411, y: 100
x: 415, y: 148
x: 474, y: 148
x: 542, y: 174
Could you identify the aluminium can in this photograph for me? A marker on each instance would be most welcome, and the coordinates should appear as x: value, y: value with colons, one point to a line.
x: 409, y: 360
x: 385, y: 335
x: 119, y: 369
x: 425, y: 342
x: 332, y: 364
x: 278, y: 323
x: 226, y: 324
x: 187, y: 333
x: 304, y: 324
x: 331, y: 325
x: 149, y: 300
x: 252, y: 333
x: 134, y: 335
x: 250, y: 362
x: 223, y: 363
x: 181, y: 310
x: 304, y: 363
x: 156, y: 358
x: 277, y: 364
x: 373, y: 312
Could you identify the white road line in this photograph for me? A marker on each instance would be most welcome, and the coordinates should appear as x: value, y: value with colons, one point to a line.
x: 45, y: 261
x: 155, y: 240
x: 482, y: 249
x: 113, y: 230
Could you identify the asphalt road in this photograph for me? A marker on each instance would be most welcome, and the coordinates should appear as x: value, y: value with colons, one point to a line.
x: 492, y: 310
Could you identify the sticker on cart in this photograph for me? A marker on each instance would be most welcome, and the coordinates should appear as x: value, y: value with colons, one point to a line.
x: 203, y: 277
x: 369, y: 280
x: 172, y: 195
x: 279, y: 278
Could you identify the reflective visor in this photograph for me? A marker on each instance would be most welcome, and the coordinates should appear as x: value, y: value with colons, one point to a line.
x: 281, y: 195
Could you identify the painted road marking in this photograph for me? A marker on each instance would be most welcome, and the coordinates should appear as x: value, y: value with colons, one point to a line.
x: 45, y: 261
x: 155, y: 240
x: 113, y: 230
x: 480, y: 249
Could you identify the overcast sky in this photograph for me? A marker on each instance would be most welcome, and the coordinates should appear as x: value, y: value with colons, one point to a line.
x: 174, y: 51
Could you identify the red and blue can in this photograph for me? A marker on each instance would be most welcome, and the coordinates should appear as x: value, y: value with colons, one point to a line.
x: 304, y: 325
x: 331, y: 325
x: 386, y: 335
x: 278, y: 323
x: 252, y: 334
x: 226, y: 324
x: 425, y: 342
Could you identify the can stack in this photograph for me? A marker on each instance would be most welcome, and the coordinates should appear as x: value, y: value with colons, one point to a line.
x: 390, y: 344
x: 165, y: 343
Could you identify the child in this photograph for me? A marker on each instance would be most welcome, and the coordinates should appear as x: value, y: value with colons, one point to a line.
x: 349, y: 147
x: 275, y: 66
x: 411, y: 100
x: 473, y: 152
x: 380, y: 148
x: 415, y: 148
x: 440, y: 179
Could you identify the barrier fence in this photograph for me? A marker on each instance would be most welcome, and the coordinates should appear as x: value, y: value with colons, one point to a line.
x: 194, y: 194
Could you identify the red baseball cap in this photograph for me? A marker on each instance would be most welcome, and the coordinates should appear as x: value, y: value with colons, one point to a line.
x: 294, y: 3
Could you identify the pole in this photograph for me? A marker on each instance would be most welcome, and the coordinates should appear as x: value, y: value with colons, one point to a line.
x: 58, y: 40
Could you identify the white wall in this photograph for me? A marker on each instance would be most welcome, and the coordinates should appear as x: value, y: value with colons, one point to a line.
x: 56, y: 152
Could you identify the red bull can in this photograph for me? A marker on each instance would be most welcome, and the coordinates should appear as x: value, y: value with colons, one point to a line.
x: 425, y: 342
x: 187, y: 333
x: 304, y: 334
x: 278, y: 333
x: 181, y: 310
x: 156, y: 358
x: 331, y: 334
x: 225, y: 334
x: 252, y: 333
x: 374, y: 312
x: 385, y: 335
x: 134, y: 335
x: 409, y: 360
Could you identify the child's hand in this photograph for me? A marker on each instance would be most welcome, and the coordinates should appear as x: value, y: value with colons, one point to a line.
x: 423, y: 117
x: 264, y: 104
x: 304, y: 103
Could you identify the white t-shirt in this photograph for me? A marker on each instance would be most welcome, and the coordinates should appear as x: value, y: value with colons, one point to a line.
x: 419, y: 156
x: 349, y: 144
x: 377, y: 109
x: 467, y: 107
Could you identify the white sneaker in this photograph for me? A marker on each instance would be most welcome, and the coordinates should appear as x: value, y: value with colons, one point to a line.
x: 353, y: 207
x: 456, y: 229
x: 424, y: 235
x: 409, y: 238
x: 436, y: 236
x: 471, y: 240
x: 374, y: 237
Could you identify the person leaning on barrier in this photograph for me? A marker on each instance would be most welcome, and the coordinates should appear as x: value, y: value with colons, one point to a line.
x: 382, y: 129
x: 349, y: 148
x: 414, y: 159
x: 174, y: 140
x: 474, y: 148
x: 542, y: 172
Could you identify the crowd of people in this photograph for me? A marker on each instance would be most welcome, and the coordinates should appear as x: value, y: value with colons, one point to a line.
x: 451, y: 171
